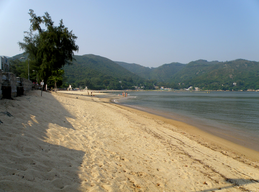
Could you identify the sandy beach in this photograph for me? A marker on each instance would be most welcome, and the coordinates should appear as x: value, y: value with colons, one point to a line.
x: 69, y: 141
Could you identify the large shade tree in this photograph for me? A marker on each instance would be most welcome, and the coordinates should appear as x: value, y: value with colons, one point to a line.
x: 49, y: 48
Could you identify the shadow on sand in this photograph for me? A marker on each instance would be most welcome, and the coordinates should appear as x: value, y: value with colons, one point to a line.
x: 233, y: 183
x: 27, y: 161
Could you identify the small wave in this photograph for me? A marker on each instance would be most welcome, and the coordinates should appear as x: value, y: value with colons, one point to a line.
x: 114, y: 101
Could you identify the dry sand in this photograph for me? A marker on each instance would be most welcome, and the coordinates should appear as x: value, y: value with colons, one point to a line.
x: 62, y: 142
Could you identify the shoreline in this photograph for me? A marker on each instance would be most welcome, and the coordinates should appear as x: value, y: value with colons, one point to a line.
x: 72, y: 142
x: 228, y: 135
x: 202, y: 136
x: 205, y: 138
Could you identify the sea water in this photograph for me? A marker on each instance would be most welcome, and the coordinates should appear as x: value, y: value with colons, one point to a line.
x: 231, y: 115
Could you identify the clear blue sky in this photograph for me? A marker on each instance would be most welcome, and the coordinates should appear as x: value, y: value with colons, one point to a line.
x: 146, y: 32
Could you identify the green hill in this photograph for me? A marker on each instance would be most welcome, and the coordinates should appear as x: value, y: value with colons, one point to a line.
x: 192, y: 70
x: 237, y: 75
x: 98, y: 72
x: 164, y: 73
x: 137, y: 69
x: 20, y: 56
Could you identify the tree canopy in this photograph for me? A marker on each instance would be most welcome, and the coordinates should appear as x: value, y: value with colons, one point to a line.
x: 49, y: 48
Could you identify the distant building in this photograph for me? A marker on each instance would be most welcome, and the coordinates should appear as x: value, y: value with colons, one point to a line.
x: 166, y: 89
x: 234, y: 84
x: 190, y: 88
x: 4, y: 64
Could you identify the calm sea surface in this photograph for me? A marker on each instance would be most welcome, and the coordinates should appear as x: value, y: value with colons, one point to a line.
x: 230, y: 115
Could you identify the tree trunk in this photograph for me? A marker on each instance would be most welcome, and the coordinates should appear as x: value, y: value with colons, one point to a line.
x: 55, y: 86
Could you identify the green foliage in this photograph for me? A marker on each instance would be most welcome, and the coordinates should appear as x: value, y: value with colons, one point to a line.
x: 205, y: 75
x: 48, y: 49
x: 234, y: 75
x: 56, y: 77
x: 163, y: 73
x: 97, y: 72
x: 19, y: 68
x: 139, y: 70
x: 166, y: 72
x: 149, y: 85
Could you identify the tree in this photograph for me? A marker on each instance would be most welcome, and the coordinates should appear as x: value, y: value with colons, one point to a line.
x: 56, y: 76
x: 19, y: 68
x: 48, y: 49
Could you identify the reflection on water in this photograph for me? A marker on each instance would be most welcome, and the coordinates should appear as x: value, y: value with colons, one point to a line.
x: 229, y: 113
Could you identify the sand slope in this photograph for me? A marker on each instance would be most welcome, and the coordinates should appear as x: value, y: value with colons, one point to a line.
x: 62, y: 142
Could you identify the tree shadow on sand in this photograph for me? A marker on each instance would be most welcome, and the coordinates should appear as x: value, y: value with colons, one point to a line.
x: 234, y: 183
x: 27, y: 161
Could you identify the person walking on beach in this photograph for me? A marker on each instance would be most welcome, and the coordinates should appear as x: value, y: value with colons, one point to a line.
x: 42, y: 84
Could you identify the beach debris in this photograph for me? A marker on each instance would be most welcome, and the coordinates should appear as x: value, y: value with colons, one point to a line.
x: 7, y: 113
x: 1, y: 122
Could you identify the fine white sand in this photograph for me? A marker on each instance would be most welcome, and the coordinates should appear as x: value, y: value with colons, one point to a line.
x: 67, y: 142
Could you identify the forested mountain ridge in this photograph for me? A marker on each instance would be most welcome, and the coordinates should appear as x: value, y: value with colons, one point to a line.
x: 163, y: 73
x: 98, y: 72
x: 238, y: 74
x: 89, y: 70
x: 137, y: 69
x: 193, y: 69
x: 166, y: 72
